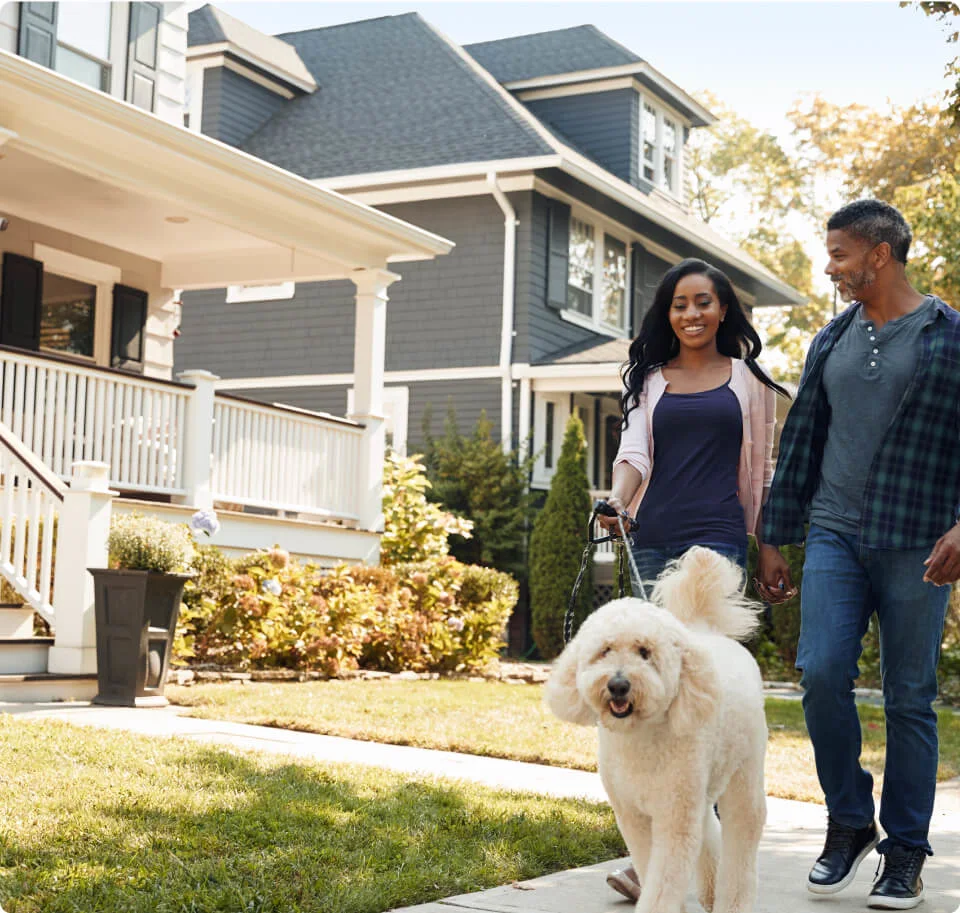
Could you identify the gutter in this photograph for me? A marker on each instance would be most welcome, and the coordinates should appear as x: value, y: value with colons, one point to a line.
x: 506, y: 325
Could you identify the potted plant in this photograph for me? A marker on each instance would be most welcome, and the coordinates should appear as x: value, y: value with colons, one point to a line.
x: 136, y: 604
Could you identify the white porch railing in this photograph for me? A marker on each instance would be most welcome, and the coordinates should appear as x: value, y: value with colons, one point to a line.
x: 285, y: 458
x: 66, y: 412
x: 179, y: 439
x: 31, y: 497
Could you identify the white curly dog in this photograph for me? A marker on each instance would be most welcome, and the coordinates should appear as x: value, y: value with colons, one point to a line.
x: 679, y: 706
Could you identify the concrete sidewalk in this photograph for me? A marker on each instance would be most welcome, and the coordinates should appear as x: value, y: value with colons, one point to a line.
x: 793, y: 837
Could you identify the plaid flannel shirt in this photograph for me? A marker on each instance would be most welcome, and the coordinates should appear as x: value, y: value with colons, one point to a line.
x: 912, y: 493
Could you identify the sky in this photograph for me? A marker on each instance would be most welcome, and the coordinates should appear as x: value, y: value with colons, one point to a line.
x: 756, y: 57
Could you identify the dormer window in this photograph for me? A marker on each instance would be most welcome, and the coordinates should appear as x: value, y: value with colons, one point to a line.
x: 660, y: 147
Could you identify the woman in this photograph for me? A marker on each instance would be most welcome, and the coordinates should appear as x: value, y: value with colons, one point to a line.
x: 696, y: 445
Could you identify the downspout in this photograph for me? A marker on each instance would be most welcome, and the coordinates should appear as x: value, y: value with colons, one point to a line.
x: 506, y: 326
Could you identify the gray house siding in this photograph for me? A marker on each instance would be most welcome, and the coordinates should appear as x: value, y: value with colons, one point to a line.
x: 604, y: 125
x: 442, y: 313
x: 233, y: 107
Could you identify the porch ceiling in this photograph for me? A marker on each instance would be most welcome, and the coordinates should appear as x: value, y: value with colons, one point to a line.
x: 82, y: 162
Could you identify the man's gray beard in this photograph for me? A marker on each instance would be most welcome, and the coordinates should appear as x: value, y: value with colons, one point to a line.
x: 856, y: 283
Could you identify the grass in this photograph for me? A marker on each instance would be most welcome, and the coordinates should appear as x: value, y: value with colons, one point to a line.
x: 509, y: 721
x: 101, y: 822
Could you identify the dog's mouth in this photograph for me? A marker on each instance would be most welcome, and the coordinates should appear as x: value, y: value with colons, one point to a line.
x: 621, y: 709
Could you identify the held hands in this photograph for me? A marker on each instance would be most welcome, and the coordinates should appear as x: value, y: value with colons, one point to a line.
x: 773, y: 581
x: 943, y: 565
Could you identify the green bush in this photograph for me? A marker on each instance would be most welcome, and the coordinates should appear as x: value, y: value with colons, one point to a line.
x: 472, y: 477
x: 266, y: 610
x: 557, y: 543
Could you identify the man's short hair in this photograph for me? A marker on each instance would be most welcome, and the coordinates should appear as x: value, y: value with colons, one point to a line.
x: 874, y: 222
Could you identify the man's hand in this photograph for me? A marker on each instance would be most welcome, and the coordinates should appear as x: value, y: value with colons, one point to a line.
x: 943, y: 565
x: 773, y: 581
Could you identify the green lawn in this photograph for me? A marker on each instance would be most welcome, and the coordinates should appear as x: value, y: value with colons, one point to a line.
x: 507, y: 721
x: 101, y: 822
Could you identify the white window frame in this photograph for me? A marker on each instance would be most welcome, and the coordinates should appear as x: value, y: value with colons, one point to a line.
x: 106, y: 63
x: 594, y: 321
x: 542, y: 474
x: 93, y: 272
x: 680, y: 124
x: 277, y: 291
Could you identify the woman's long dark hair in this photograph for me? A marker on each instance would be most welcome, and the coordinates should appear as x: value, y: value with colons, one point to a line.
x: 656, y: 343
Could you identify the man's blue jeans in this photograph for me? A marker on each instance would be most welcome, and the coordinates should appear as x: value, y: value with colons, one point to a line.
x: 843, y: 584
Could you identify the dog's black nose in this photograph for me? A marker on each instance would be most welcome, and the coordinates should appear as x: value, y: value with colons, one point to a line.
x: 618, y: 686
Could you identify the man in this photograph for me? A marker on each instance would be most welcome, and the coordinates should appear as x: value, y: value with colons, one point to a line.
x: 870, y: 458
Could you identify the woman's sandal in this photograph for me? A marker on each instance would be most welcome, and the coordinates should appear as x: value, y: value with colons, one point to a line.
x: 624, y: 881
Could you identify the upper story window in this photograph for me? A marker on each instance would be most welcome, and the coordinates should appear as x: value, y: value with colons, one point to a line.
x: 660, y: 147
x: 83, y: 43
x: 597, y: 277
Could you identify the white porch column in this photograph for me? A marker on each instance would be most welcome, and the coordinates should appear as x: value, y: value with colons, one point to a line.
x: 198, y: 439
x: 368, y: 367
x: 82, y: 532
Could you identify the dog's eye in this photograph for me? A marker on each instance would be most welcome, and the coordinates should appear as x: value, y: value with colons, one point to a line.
x: 604, y: 651
x: 644, y: 652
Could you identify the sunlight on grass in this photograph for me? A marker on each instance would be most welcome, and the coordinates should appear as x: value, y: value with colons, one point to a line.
x: 509, y: 721
x: 116, y: 823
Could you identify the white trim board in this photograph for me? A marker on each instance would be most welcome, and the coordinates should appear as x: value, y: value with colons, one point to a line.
x: 492, y: 372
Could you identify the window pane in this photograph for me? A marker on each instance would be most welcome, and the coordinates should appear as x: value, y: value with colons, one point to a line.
x: 548, y: 437
x: 668, y: 172
x: 82, y: 69
x: 67, y: 315
x: 669, y: 137
x: 580, y: 281
x: 649, y: 141
x: 86, y: 27
x: 614, y: 281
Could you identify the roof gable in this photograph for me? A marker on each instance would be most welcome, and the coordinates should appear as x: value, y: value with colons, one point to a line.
x: 583, y: 47
x: 394, y: 95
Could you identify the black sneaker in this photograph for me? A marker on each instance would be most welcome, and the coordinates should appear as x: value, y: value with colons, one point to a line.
x: 844, y: 850
x: 900, y: 886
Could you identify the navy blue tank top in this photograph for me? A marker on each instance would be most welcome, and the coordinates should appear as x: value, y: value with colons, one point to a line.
x: 692, y: 495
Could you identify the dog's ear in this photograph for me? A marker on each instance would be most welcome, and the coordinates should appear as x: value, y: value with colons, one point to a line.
x: 697, y: 692
x: 561, y: 693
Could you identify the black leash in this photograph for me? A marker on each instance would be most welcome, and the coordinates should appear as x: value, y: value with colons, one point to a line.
x: 621, y: 544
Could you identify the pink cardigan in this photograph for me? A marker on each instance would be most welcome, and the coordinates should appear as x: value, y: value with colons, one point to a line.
x: 758, y: 408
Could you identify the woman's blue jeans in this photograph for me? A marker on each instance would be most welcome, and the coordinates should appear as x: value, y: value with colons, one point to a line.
x: 651, y: 561
x: 843, y: 584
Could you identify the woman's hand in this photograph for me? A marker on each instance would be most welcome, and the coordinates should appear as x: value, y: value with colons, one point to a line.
x: 773, y: 581
x: 612, y: 524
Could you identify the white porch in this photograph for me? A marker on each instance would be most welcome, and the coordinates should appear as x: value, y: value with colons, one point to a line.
x: 108, y: 212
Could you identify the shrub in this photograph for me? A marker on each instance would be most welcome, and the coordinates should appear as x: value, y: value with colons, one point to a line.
x: 557, y: 543
x: 266, y: 610
x: 144, y: 543
x: 414, y: 529
x: 472, y: 477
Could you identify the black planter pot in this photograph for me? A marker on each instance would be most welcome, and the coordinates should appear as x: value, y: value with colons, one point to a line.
x: 136, y: 615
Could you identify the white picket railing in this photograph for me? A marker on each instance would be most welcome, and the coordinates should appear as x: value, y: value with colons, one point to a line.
x: 30, y: 500
x: 67, y: 412
x: 284, y: 458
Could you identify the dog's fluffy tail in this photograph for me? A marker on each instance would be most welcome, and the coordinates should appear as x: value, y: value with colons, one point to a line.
x: 705, y: 591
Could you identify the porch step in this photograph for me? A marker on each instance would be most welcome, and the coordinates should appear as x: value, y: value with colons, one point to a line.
x: 45, y: 687
x: 24, y: 655
x: 16, y: 620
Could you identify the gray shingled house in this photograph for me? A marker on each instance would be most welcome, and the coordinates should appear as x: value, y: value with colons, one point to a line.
x: 554, y: 161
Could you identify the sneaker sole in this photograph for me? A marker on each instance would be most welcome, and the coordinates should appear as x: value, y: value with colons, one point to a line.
x: 821, y: 889
x: 895, y: 903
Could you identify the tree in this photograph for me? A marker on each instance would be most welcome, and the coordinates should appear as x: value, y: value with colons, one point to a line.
x: 473, y: 477
x: 944, y: 12
x: 907, y: 157
x: 557, y: 543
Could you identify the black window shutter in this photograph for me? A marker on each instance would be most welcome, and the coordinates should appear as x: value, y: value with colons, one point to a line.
x: 21, y: 296
x: 129, y: 320
x: 646, y: 272
x: 38, y: 33
x: 143, y: 43
x: 558, y: 253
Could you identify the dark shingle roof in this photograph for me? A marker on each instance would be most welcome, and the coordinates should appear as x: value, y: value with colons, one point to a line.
x: 393, y: 95
x: 590, y: 352
x: 203, y: 28
x: 583, y: 47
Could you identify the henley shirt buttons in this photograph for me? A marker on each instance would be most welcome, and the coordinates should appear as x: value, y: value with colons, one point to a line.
x: 876, y: 351
x: 873, y: 364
